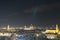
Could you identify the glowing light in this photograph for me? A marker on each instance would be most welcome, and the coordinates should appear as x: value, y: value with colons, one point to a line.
x: 37, y: 35
x: 51, y: 36
x: 53, y: 31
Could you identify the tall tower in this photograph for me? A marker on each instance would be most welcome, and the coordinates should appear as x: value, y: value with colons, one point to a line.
x: 57, y: 29
x: 8, y: 27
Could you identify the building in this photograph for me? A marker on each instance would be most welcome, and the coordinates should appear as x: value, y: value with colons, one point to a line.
x: 53, y: 31
x: 31, y: 27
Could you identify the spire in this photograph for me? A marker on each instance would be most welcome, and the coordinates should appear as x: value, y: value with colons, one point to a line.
x: 57, y: 29
x: 8, y: 27
x: 56, y: 26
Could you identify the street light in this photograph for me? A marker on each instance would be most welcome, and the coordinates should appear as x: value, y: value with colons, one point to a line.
x: 37, y: 35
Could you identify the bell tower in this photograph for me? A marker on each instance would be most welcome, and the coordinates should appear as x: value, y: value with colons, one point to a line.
x: 57, y: 29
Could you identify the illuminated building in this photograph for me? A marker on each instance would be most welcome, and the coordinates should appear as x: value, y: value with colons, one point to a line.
x: 10, y: 29
x: 31, y: 27
x: 21, y: 28
x: 53, y: 31
x: 51, y: 36
x: 26, y: 28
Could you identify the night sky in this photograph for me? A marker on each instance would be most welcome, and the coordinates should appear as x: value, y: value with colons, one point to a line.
x: 24, y: 12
